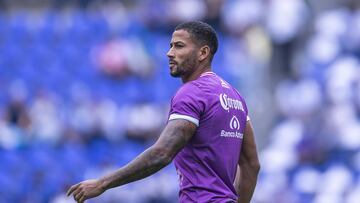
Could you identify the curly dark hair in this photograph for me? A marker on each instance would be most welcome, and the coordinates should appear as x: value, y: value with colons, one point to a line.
x: 202, y: 33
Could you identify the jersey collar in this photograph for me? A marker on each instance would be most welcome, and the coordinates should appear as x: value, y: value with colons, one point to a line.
x: 207, y: 73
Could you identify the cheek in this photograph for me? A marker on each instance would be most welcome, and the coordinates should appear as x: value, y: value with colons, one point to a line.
x: 186, y: 58
x: 192, y: 58
x: 184, y: 54
x: 180, y: 56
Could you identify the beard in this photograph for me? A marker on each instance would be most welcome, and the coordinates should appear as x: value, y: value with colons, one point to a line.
x: 185, y: 68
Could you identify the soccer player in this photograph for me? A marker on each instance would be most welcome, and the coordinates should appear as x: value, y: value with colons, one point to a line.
x: 208, y: 135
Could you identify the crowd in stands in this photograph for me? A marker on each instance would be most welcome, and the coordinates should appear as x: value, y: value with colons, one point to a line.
x: 85, y: 88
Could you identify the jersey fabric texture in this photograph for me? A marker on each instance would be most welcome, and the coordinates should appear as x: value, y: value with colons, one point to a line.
x: 207, y: 164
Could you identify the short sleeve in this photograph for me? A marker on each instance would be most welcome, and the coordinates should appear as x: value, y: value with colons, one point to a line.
x: 188, y: 104
x: 245, y: 109
x: 244, y: 106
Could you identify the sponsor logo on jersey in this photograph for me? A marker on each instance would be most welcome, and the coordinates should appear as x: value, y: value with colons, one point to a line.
x: 231, y: 134
x: 228, y: 103
x: 224, y: 84
x: 234, y: 125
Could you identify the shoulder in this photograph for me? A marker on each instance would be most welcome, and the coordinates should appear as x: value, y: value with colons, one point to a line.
x: 188, y: 103
x: 189, y: 88
x: 190, y: 94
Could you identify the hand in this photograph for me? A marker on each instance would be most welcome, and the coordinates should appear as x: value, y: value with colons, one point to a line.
x: 86, y: 190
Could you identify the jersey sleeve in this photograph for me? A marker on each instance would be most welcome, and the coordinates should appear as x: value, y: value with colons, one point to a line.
x: 246, y: 110
x: 244, y: 106
x: 188, y: 104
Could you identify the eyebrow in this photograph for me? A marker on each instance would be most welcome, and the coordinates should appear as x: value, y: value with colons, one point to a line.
x: 176, y: 42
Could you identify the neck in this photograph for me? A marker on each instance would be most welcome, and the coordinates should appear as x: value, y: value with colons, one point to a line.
x: 196, y: 74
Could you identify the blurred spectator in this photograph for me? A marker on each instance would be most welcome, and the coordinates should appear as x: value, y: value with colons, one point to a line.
x: 45, y: 114
x: 17, y: 122
x: 17, y: 114
x: 240, y: 15
x: 285, y: 19
x: 119, y: 58
x: 144, y: 121
x: 181, y: 11
x: 73, y: 73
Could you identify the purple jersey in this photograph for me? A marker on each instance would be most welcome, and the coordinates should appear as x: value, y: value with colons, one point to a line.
x: 207, y: 164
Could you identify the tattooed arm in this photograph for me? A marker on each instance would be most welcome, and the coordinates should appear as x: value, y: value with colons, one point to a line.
x: 173, y: 138
x: 171, y: 141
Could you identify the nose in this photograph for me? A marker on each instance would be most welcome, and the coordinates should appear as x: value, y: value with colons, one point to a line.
x: 170, y: 53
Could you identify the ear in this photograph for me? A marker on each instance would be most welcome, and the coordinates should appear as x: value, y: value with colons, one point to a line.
x: 204, y: 52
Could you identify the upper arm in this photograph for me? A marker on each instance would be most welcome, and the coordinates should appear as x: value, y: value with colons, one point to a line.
x: 186, y: 109
x: 248, y: 151
x: 174, y: 137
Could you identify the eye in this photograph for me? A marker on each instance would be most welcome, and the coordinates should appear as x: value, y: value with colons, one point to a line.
x: 179, y: 45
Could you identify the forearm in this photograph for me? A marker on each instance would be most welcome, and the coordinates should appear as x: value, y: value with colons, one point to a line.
x: 246, y: 182
x: 146, y: 164
x: 171, y: 141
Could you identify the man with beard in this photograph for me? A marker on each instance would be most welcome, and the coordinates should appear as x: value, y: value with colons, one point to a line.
x: 208, y: 135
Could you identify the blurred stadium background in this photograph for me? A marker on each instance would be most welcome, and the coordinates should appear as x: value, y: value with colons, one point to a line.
x: 84, y: 88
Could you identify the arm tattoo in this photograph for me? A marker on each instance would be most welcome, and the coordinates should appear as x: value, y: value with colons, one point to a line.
x: 174, y: 137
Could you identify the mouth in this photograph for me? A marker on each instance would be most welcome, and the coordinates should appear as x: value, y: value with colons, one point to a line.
x: 172, y: 63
